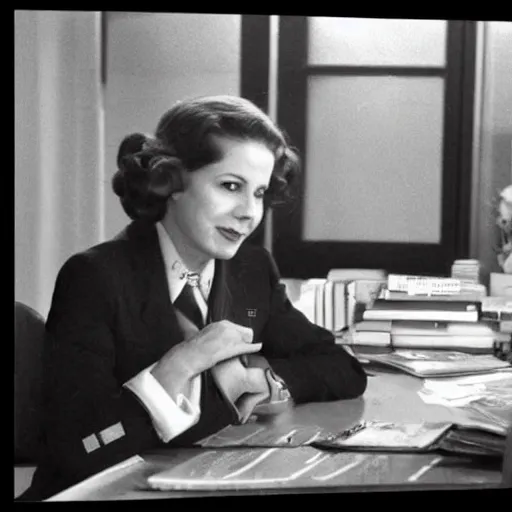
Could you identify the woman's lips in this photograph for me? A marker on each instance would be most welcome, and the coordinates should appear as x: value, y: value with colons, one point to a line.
x: 230, y: 234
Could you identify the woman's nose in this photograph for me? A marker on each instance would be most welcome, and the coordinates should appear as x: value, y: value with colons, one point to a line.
x: 247, y: 208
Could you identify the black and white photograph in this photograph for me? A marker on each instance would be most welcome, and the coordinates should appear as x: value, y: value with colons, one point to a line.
x: 258, y: 254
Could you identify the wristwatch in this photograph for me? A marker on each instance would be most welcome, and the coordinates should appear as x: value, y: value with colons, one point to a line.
x: 279, y: 399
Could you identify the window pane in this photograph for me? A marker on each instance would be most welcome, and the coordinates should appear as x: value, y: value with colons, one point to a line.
x: 376, y: 42
x: 374, y: 159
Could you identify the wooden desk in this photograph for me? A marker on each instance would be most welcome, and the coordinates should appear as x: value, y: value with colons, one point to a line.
x: 389, y: 397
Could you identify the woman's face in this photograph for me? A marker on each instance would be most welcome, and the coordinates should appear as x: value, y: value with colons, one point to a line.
x: 222, y: 203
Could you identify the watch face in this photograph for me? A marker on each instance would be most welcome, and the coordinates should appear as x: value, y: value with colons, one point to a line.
x: 278, y: 389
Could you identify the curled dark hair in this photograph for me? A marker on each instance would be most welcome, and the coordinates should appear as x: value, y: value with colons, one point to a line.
x: 149, y: 168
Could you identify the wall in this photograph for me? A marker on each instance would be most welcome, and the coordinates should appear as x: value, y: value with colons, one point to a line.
x: 68, y: 127
x: 154, y: 60
x: 493, y: 142
x: 58, y: 143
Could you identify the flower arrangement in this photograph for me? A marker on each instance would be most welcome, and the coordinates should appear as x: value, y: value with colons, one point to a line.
x: 504, y: 222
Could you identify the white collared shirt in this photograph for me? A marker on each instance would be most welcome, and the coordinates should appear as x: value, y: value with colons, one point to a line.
x: 177, y: 272
x: 172, y: 417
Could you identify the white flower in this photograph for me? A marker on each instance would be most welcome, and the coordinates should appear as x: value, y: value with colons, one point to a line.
x: 504, y: 222
x: 504, y: 219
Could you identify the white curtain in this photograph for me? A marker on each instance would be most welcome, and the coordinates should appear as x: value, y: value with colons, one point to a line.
x: 59, y: 176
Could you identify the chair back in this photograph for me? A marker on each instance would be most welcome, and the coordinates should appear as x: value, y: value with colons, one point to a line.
x: 29, y: 337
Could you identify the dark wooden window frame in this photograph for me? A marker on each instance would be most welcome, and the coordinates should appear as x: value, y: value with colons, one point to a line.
x: 304, y: 259
x: 254, y: 75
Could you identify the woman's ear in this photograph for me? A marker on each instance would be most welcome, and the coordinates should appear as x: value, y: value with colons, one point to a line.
x: 176, y: 195
x: 177, y: 184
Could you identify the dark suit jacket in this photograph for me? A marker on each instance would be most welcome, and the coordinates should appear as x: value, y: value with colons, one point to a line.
x: 111, y: 317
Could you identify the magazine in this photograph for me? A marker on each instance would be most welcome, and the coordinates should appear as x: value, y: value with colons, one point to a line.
x: 259, y: 435
x: 470, y: 440
x: 443, y: 363
x: 387, y: 436
x: 325, y: 460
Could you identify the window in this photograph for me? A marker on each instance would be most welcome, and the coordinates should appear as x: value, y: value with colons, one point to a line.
x: 381, y: 112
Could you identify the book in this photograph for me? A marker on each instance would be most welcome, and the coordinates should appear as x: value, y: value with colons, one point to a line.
x: 340, y: 305
x: 440, y: 311
x: 472, y: 337
x: 438, y: 363
x: 356, y: 274
x: 468, y: 296
x: 467, y: 270
x: 427, y: 328
x: 447, y: 341
x: 302, y: 294
x: 374, y: 325
x: 343, y: 304
x: 420, y: 437
x: 319, y: 304
x: 329, y: 305
x: 371, y: 338
x: 423, y: 285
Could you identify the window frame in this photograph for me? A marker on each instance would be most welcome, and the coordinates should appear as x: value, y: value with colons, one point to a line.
x: 298, y: 258
x: 254, y: 77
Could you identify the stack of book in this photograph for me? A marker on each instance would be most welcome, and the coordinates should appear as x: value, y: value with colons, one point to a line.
x: 370, y: 308
x: 428, y: 313
x: 466, y: 270
x: 333, y: 302
x: 308, y: 296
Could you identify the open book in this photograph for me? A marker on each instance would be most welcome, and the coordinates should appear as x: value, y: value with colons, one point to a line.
x: 326, y: 461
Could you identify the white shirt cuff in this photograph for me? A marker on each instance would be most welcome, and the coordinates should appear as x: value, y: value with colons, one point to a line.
x: 170, y: 418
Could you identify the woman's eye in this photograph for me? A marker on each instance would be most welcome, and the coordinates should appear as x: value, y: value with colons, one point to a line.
x: 232, y: 186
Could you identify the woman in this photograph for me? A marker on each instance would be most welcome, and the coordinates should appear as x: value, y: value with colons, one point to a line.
x: 129, y: 368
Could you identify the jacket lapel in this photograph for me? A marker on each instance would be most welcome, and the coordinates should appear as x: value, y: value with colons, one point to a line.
x: 155, y: 308
x: 220, y: 300
x: 228, y: 297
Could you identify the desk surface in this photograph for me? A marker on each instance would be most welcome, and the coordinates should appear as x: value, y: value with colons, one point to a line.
x: 389, y: 397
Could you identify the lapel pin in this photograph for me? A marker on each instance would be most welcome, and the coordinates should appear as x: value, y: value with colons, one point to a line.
x: 251, y: 313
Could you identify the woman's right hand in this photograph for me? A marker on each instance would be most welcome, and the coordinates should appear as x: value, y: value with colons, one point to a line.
x: 202, y: 350
x: 217, y: 342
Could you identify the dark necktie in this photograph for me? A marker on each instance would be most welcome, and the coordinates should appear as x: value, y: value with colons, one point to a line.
x: 227, y: 373
x: 187, y: 304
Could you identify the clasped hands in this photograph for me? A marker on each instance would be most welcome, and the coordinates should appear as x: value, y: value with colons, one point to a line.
x: 225, y: 348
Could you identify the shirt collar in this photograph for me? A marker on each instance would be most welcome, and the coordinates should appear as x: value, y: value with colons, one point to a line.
x: 177, y: 271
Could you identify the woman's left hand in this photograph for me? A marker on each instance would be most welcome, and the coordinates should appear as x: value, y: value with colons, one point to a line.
x: 243, y: 387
